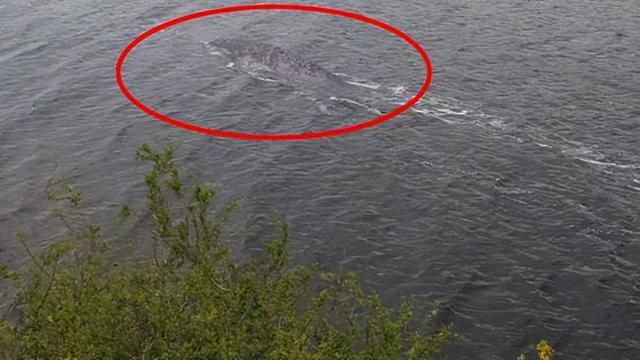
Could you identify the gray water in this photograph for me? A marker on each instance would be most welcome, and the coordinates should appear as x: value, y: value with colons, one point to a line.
x: 510, y: 195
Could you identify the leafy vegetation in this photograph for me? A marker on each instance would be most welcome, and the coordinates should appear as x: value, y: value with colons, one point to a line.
x: 190, y: 300
x: 545, y: 351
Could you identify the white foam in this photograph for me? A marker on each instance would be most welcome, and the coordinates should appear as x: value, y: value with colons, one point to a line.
x: 359, y: 82
x: 229, y: 65
x: 498, y: 123
x: 602, y: 163
x: 439, y: 112
x: 426, y: 112
x: 421, y: 111
x: 266, y: 79
x: 368, y: 86
x: 452, y: 112
x: 397, y: 90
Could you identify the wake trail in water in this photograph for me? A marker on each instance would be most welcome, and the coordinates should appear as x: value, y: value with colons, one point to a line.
x: 377, y: 98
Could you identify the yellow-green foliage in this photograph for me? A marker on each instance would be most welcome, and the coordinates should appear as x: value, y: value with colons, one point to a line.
x: 545, y: 351
x: 190, y: 300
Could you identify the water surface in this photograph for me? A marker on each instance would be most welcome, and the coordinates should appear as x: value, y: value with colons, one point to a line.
x: 510, y: 194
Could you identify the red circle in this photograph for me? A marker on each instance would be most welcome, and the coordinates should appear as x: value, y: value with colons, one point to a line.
x: 255, y: 136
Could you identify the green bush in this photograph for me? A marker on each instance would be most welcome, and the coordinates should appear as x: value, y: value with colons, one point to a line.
x: 190, y: 300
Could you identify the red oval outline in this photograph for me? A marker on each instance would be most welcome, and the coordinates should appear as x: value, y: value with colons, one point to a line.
x: 286, y: 136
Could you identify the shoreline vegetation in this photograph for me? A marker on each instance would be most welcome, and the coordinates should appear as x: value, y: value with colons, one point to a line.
x: 190, y: 299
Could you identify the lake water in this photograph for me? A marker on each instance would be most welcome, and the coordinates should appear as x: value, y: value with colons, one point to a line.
x: 510, y: 195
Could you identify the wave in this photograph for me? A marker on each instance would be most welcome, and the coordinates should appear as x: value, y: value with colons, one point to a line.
x: 604, y: 163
